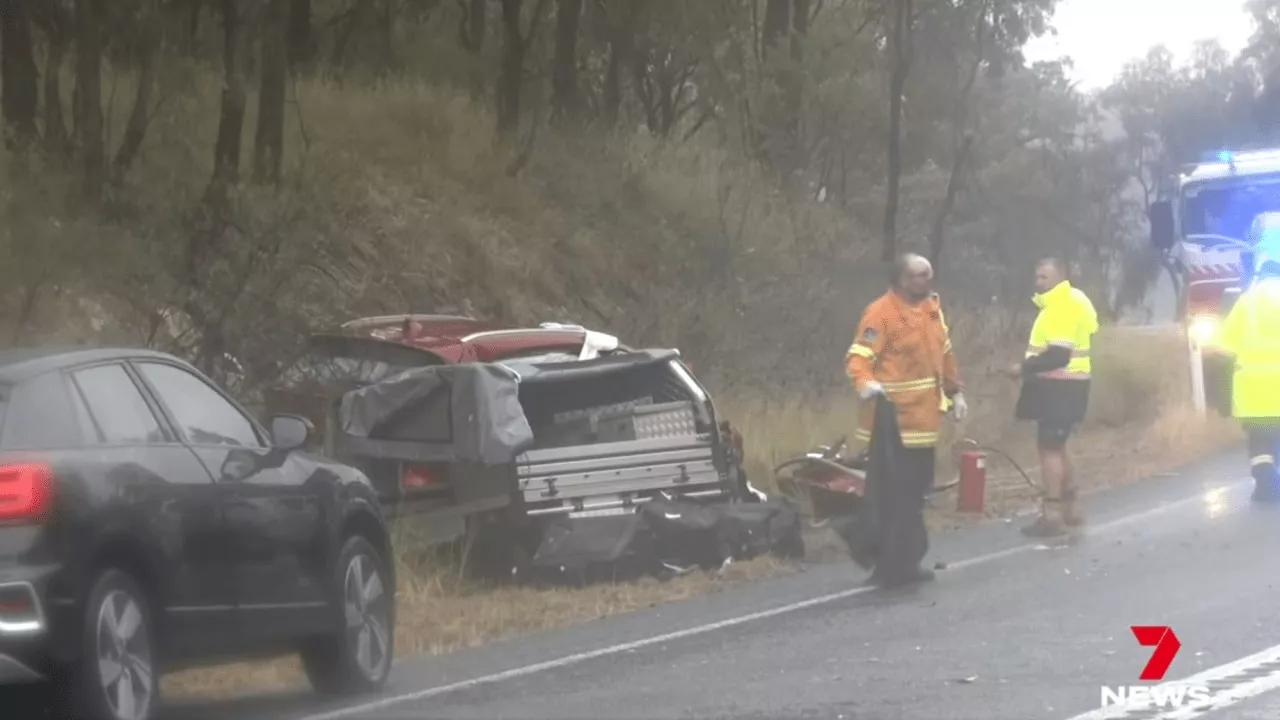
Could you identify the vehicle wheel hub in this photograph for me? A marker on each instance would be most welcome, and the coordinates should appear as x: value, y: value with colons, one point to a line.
x: 368, y: 616
x: 124, y: 656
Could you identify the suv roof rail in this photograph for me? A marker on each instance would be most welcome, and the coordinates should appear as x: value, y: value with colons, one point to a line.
x: 520, y: 331
x: 413, y: 317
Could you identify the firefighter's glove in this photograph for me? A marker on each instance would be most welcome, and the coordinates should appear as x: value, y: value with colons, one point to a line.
x: 870, y: 390
x: 959, y: 408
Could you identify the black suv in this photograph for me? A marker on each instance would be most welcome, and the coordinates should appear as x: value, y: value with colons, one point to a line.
x: 147, y: 523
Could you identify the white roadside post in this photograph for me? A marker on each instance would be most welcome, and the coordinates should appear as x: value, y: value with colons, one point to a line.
x: 1197, y: 374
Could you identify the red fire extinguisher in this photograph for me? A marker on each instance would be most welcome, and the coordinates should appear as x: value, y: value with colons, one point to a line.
x: 971, y: 493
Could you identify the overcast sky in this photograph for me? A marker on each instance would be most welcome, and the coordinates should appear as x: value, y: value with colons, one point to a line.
x: 1102, y: 35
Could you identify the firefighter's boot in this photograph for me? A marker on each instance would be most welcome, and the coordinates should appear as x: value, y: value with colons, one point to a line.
x: 900, y: 578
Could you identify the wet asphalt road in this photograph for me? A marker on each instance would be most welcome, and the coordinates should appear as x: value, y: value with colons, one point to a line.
x: 1011, y: 629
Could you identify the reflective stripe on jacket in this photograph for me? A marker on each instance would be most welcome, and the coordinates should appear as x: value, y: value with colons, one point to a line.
x: 907, y: 349
x: 1251, y: 332
x: 1066, y: 319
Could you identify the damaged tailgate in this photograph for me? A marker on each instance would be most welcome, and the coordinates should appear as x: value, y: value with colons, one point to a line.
x: 614, y: 432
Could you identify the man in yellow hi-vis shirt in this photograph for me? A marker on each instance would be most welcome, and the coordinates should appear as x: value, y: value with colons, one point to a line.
x: 1251, y: 333
x: 1056, y: 374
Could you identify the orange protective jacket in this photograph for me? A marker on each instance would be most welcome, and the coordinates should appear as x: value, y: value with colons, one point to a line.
x: 907, y: 349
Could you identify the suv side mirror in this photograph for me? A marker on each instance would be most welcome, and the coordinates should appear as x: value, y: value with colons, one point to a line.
x: 1161, y: 218
x: 290, y: 432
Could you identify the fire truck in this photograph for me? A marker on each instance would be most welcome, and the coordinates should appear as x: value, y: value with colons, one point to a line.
x: 1207, y: 232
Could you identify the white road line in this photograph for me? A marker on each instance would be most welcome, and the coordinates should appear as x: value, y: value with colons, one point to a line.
x: 1228, y: 684
x: 576, y: 658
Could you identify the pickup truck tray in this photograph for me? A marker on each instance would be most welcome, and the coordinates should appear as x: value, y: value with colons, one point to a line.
x: 618, y: 470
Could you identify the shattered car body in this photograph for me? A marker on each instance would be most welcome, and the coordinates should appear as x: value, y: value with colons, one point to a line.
x: 467, y: 429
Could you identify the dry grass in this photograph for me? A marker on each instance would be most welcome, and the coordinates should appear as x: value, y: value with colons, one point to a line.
x: 439, y: 614
x: 1140, y: 424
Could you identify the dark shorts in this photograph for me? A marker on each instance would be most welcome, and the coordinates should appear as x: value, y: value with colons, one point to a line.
x: 1053, y: 434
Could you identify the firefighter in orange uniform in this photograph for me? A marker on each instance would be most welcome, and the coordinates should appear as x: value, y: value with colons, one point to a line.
x: 903, y: 352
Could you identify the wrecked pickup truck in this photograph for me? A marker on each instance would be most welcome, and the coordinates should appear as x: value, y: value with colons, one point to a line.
x: 463, y: 429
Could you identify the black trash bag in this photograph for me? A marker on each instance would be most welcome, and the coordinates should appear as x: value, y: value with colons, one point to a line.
x: 849, y: 529
x: 864, y: 532
x: 687, y: 533
x: 761, y: 528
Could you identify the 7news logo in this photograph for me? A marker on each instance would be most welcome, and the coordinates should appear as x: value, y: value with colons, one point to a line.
x: 1171, y: 695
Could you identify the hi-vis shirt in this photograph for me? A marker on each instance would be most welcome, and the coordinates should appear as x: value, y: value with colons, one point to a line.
x: 1057, y: 367
x: 907, y: 349
x: 1251, y: 332
x: 1067, y: 319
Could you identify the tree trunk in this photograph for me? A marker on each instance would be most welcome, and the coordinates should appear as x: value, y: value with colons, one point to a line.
x: 301, y: 49
x: 793, y: 88
x: 961, y: 144
x: 799, y: 28
x: 193, y: 25
x: 140, y: 115
x: 511, y: 78
x: 18, y: 99
x: 90, y: 18
x: 471, y: 29
x: 268, y: 148
x: 55, y: 127
x: 900, y: 53
x: 622, y: 33
x: 226, y: 151
x: 938, y: 235
x: 56, y: 25
x: 777, y: 21
x: 782, y: 145
x: 564, y: 79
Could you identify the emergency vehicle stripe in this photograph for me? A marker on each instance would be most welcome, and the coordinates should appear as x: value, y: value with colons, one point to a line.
x: 1257, y: 460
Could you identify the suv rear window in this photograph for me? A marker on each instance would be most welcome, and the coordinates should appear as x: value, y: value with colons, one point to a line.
x: 42, y: 414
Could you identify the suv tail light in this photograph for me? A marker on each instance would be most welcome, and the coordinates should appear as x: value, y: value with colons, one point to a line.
x: 26, y: 491
x: 416, y: 478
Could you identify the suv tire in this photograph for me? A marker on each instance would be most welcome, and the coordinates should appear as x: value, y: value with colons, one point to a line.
x: 356, y: 657
x: 115, y: 676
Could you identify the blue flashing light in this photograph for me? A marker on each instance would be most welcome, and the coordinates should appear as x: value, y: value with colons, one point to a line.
x: 1226, y: 156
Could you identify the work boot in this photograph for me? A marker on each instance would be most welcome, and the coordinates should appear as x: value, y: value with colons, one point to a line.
x: 1050, y: 523
x: 1044, y: 527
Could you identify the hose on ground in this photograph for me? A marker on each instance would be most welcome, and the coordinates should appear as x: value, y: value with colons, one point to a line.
x: 970, y: 442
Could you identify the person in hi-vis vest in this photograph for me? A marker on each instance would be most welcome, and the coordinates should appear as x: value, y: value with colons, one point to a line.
x: 1251, y: 335
x: 1056, y: 373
